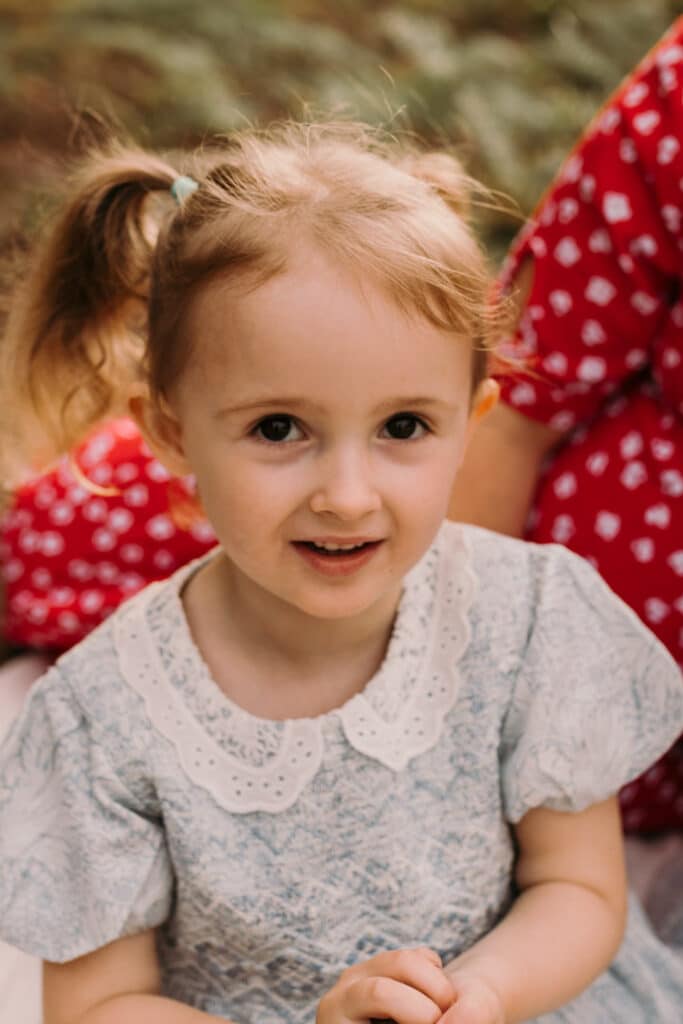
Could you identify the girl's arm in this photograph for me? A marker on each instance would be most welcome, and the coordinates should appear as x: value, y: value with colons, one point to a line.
x: 118, y: 984
x: 563, y: 929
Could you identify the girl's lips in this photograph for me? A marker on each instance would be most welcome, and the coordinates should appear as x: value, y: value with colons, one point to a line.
x: 336, y: 563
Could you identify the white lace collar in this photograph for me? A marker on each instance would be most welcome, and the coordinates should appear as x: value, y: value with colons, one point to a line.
x: 253, y: 764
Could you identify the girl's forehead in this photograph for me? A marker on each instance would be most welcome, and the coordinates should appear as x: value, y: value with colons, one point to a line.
x: 317, y: 329
x: 311, y: 293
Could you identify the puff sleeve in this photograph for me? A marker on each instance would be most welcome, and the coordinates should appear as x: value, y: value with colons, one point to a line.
x: 83, y: 859
x: 596, y: 699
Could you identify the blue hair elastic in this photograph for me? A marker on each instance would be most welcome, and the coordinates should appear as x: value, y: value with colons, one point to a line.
x: 183, y: 187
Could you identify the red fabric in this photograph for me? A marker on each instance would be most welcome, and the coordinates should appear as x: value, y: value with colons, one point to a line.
x: 70, y: 556
x: 602, y: 336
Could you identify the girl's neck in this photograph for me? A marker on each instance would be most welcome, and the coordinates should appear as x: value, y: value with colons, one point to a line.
x: 274, y: 660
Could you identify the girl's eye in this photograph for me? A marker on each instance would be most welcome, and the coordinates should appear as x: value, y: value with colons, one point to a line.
x: 277, y: 429
x: 404, y: 427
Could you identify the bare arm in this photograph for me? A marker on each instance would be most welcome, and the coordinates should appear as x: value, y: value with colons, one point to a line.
x: 562, y: 931
x: 118, y: 984
x: 496, y: 482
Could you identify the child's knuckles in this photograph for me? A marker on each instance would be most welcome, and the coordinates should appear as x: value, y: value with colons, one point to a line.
x: 391, y: 964
x: 405, y: 961
x: 379, y: 963
x: 429, y: 954
x: 349, y: 974
x: 376, y: 991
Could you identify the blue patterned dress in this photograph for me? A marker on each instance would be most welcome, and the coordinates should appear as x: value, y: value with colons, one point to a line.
x: 271, y: 855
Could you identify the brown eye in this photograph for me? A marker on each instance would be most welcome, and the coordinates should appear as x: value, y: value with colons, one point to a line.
x: 404, y: 427
x: 277, y: 429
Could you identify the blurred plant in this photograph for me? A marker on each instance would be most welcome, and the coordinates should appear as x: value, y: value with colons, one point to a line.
x: 510, y: 86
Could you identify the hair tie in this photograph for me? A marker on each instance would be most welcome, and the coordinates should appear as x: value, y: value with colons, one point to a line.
x: 183, y: 187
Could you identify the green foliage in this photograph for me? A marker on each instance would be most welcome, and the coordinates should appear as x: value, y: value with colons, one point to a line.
x: 509, y: 85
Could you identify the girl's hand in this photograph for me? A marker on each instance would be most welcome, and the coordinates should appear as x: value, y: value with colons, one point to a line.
x: 407, y: 986
x: 476, y: 1002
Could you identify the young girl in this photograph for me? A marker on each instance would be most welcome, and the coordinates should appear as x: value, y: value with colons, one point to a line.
x: 355, y: 762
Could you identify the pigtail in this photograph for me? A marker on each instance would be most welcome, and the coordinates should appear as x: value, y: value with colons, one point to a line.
x: 76, y: 327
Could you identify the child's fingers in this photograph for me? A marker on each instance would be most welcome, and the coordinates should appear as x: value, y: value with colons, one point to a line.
x: 475, y: 1005
x: 429, y: 954
x: 420, y: 968
x: 384, y: 998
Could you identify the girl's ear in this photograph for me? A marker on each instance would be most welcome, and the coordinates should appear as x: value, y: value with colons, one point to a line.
x: 161, y: 431
x: 485, y: 398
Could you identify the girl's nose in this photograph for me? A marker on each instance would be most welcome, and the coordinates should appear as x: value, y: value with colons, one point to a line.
x: 346, y: 488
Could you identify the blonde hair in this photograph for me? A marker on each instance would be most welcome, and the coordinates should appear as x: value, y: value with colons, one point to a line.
x: 107, y: 299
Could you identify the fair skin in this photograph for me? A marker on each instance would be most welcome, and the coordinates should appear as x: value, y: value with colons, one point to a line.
x: 333, y: 410
x: 306, y: 630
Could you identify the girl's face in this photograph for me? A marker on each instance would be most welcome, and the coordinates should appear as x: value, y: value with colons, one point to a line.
x: 324, y: 427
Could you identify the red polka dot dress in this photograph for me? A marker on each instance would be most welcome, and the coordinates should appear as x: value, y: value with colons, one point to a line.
x: 70, y: 555
x: 602, y: 334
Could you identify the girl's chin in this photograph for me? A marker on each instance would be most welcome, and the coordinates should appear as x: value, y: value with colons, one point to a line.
x: 341, y: 607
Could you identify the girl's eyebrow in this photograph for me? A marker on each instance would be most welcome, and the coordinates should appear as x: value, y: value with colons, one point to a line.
x: 284, y: 402
x: 279, y: 403
x: 412, y: 402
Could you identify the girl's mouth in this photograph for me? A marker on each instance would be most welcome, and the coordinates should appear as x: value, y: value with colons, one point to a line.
x: 334, y: 559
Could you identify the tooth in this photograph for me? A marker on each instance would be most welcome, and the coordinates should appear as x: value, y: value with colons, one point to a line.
x: 337, y: 547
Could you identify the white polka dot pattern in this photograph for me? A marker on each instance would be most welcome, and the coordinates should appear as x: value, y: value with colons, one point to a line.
x: 70, y: 555
x: 607, y: 246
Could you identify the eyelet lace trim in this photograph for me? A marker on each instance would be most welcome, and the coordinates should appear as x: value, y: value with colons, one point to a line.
x: 233, y: 783
x: 396, y: 739
x: 398, y: 716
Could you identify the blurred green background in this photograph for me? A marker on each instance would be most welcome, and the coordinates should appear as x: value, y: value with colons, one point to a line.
x: 509, y: 84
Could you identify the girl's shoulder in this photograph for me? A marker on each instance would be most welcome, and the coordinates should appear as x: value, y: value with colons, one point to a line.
x: 99, y: 680
x: 587, y: 695
x: 511, y: 571
x: 530, y: 596
x: 92, y: 668
x: 513, y: 554
x: 78, y: 771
